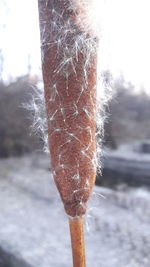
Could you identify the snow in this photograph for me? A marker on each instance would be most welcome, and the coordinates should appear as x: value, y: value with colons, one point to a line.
x: 34, y: 228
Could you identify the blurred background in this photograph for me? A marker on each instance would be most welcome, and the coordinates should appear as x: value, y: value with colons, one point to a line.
x: 29, y: 204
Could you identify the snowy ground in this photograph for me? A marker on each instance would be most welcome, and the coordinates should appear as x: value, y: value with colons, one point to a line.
x: 34, y: 229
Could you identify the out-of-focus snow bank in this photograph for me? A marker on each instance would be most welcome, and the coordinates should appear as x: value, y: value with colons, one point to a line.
x: 34, y: 229
x: 128, y: 165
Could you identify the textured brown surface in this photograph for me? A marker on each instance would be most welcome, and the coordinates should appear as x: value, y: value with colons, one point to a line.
x: 71, y: 136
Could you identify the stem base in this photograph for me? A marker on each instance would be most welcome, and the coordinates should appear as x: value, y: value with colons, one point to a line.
x: 77, y: 241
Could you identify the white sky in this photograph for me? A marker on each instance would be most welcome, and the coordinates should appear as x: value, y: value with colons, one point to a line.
x: 20, y: 38
x: 125, y: 44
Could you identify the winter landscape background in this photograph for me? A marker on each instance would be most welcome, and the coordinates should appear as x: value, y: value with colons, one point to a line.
x: 33, y: 226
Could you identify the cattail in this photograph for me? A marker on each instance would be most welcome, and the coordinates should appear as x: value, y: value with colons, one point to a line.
x: 69, y: 64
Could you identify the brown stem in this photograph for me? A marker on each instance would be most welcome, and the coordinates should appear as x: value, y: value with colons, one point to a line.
x: 77, y: 241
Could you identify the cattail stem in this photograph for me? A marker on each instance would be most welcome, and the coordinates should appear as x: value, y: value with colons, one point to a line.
x: 77, y: 241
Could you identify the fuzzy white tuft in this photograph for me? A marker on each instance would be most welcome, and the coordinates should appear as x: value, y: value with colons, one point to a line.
x: 65, y: 33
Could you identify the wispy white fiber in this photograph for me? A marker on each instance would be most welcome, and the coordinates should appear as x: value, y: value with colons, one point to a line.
x: 82, y: 36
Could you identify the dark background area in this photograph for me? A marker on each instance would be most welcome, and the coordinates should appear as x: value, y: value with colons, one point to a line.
x: 128, y: 116
x: 16, y: 135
